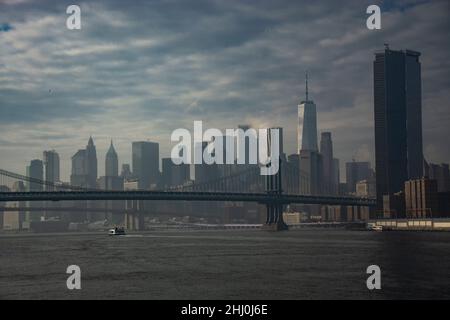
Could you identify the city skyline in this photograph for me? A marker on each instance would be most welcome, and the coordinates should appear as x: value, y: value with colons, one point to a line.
x: 217, y: 152
x: 200, y: 79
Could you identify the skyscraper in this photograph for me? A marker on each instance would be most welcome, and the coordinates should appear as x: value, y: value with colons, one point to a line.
x: 326, y: 149
x: 111, y: 162
x: 51, y: 174
x: 336, y: 175
x: 78, y: 176
x: 84, y: 174
x: 205, y: 172
x: 111, y: 181
x: 91, y: 164
x: 84, y: 167
x: 291, y: 178
x: 310, y: 159
x: 35, y: 171
x: 307, y: 124
x: 440, y: 173
x: 126, y: 171
x: 174, y: 174
x: 398, y: 120
x: 311, y: 174
x: 51, y: 168
x: 146, y: 163
x: 355, y: 172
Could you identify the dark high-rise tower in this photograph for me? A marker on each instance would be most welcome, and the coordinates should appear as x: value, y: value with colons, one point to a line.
x: 355, y: 172
x: 78, y: 176
x: 51, y: 166
x: 91, y: 164
x: 310, y: 158
x: 35, y: 171
x: 111, y: 162
x: 307, y: 124
x: 326, y: 149
x: 146, y: 163
x: 398, y: 120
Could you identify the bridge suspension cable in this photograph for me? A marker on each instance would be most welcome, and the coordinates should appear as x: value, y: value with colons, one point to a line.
x: 56, y: 186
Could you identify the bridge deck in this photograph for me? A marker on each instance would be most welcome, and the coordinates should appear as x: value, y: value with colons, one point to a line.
x: 183, y: 196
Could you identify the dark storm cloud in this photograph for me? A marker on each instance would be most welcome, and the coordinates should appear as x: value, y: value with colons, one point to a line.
x: 139, y: 69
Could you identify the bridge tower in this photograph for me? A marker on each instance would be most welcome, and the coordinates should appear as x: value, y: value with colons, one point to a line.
x: 134, y: 219
x: 274, y: 207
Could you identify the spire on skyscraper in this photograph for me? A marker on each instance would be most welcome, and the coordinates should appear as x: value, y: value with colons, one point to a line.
x: 111, y: 150
x: 111, y: 162
x: 306, y: 83
x: 91, y: 141
x: 91, y: 164
x: 307, y: 122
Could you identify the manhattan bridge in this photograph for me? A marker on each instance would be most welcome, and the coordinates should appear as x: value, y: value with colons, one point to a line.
x: 246, y: 185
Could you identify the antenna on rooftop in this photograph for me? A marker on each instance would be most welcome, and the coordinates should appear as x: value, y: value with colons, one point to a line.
x: 306, y: 83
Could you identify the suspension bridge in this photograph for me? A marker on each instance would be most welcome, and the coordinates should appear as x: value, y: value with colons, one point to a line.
x: 246, y: 185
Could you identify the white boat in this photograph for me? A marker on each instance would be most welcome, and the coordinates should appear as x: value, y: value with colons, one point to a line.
x: 117, y: 231
x: 374, y: 227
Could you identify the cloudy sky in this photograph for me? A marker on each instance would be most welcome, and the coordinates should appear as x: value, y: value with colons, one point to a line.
x: 137, y: 70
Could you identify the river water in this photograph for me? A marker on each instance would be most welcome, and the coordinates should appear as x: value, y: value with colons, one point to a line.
x: 303, y: 264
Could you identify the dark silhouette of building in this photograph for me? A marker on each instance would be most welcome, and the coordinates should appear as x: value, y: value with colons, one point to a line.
x: 336, y: 175
x: 311, y: 166
x: 111, y: 181
x: 51, y: 168
x: 394, y: 205
x: 126, y: 172
x: 440, y: 173
x: 329, y: 166
x: 398, y: 120
x: 206, y: 172
x: 291, y: 180
x: 84, y: 167
x: 35, y: 171
x: 357, y: 171
x: 51, y: 175
x: 84, y: 174
x: 146, y: 163
x: 174, y: 174
x: 79, y: 176
x: 307, y: 123
x: 310, y: 159
x: 91, y: 164
x: 111, y: 162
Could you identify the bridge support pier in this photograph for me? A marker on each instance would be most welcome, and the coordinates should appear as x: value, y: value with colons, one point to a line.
x: 274, y: 220
x: 134, y: 221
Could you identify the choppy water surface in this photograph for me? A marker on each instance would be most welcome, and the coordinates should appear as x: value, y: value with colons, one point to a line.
x: 304, y: 264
